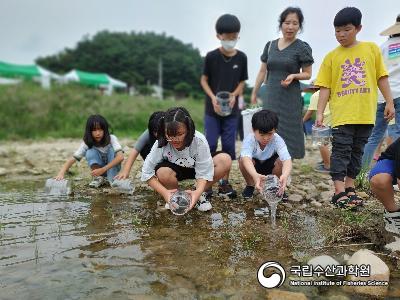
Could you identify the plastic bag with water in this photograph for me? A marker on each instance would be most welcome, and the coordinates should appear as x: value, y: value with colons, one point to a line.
x: 57, y: 187
x: 180, y: 202
x: 223, y: 99
x: 124, y: 186
x: 321, y: 136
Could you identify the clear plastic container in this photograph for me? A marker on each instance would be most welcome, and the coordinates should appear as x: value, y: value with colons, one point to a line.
x: 223, y: 101
x: 57, y: 187
x: 124, y: 186
x: 321, y: 136
x: 180, y: 202
x: 270, y: 189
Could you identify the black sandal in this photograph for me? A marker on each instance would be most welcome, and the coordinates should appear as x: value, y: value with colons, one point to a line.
x: 342, y: 203
x: 354, y: 199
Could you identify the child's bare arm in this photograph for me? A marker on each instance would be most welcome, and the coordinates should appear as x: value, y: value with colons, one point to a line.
x: 117, y: 160
x: 209, y: 92
x: 384, y: 87
x: 239, y: 89
x: 68, y: 164
x: 206, y: 87
x: 324, y: 95
x: 236, y: 92
x: 128, y: 165
x: 200, y: 186
x: 308, y: 115
x: 159, y: 188
x: 286, y: 169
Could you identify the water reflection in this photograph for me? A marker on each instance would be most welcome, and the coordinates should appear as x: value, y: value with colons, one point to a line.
x: 109, y: 246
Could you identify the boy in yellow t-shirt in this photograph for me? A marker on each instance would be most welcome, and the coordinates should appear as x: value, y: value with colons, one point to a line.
x: 349, y: 78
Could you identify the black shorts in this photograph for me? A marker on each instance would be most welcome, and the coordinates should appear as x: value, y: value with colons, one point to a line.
x: 182, y: 173
x: 265, y: 167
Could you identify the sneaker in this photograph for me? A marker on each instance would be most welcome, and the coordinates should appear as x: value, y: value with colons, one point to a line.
x: 225, y: 189
x: 248, y: 192
x: 320, y: 163
x: 321, y: 169
x: 285, y: 197
x: 209, y: 193
x: 396, y: 188
x: 203, y: 204
x: 392, y: 221
x: 166, y: 206
x: 97, y: 181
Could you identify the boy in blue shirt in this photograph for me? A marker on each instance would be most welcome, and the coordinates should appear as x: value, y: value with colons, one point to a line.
x: 264, y: 152
x: 225, y: 70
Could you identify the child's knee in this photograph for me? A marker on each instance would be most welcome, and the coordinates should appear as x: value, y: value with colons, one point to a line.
x: 93, y: 158
x: 165, y: 174
x: 379, y: 181
x: 223, y: 159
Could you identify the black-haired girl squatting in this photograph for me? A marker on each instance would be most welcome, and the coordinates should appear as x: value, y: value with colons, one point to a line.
x: 102, y: 150
x: 180, y: 153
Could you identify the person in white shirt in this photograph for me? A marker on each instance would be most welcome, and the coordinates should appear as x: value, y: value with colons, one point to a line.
x: 391, y: 56
x: 102, y: 150
x: 264, y: 152
x: 180, y: 153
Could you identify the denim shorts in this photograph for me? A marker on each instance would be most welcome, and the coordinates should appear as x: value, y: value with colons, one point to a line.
x: 386, y: 166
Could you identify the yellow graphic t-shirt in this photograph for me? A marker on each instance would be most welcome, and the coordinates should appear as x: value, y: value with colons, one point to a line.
x: 352, y: 76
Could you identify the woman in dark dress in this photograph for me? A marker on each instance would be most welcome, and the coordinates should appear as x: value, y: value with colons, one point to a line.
x: 285, y: 61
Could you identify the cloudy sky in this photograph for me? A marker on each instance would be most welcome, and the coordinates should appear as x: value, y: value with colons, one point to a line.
x: 32, y: 28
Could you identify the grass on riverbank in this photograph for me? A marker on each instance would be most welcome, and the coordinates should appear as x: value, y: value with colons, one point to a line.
x: 29, y: 112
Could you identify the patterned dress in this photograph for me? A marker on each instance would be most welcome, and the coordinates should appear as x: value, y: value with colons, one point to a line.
x: 287, y: 102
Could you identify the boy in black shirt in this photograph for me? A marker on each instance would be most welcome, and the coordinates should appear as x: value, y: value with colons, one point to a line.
x: 225, y: 70
x: 383, y: 176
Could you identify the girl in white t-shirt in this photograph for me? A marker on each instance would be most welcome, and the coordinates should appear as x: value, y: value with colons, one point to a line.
x: 180, y: 153
x: 102, y: 150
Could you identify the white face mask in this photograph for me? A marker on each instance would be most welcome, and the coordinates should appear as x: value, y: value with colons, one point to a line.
x: 229, y: 45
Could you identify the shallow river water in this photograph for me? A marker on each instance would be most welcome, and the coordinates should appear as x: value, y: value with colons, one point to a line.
x: 103, y: 246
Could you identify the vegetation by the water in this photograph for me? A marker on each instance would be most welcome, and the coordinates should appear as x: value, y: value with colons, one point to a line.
x: 28, y: 111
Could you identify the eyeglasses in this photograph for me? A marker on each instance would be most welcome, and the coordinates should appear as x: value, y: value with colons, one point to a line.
x: 177, y: 138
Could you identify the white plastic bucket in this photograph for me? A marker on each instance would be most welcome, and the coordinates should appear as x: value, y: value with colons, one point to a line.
x: 247, y: 115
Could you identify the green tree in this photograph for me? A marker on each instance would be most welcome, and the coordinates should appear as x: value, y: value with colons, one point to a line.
x: 182, y: 89
x: 132, y: 57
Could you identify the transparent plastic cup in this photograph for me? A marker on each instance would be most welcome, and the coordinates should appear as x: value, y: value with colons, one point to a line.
x: 180, y: 202
x: 57, y: 187
x: 124, y: 186
x: 270, y: 188
x: 321, y: 136
x: 223, y: 101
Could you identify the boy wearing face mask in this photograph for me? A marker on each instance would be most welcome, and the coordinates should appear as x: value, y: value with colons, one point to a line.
x: 225, y: 69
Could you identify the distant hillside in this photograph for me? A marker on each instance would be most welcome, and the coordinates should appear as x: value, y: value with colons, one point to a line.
x: 133, y: 58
